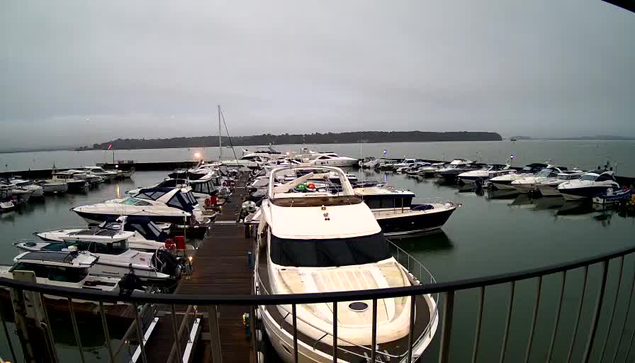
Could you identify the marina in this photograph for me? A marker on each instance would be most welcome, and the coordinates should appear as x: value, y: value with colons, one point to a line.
x: 221, y: 259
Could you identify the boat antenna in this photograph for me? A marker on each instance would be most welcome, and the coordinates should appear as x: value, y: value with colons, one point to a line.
x: 220, y: 146
x: 227, y: 130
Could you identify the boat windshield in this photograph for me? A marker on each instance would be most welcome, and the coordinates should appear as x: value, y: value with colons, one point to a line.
x: 134, y: 201
x: 544, y: 173
x: 329, y: 253
x: 589, y: 177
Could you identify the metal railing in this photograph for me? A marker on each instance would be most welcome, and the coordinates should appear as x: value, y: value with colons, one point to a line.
x: 603, y: 312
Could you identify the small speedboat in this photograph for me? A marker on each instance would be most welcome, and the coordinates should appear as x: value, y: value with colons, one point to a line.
x: 51, y: 186
x: 142, y: 234
x: 505, y: 181
x: 614, y: 197
x: 484, y: 174
x: 69, y: 269
x: 22, y: 184
x: 591, y: 184
x: 529, y: 184
x: 549, y: 187
x: 115, y: 258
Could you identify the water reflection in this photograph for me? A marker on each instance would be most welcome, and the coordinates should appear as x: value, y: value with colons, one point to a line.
x: 432, y: 242
x: 502, y: 194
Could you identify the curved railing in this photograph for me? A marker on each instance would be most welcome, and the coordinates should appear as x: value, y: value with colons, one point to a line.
x: 447, y: 289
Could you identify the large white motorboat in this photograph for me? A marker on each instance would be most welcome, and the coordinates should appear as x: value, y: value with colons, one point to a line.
x: 74, y: 183
x: 99, y: 171
x: 528, y: 184
x: 589, y: 185
x: 486, y: 173
x: 549, y: 187
x: 332, y: 159
x: 328, y: 240
x: 504, y: 182
x: 50, y: 186
x: 115, y: 257
x: 65, y: 269
x: 164, y: 205
x: 36, y: 190
x: 141, y: 232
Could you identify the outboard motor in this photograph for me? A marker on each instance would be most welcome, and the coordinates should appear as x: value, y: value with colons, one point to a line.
x: 168, y: 263
x: 130, y: 282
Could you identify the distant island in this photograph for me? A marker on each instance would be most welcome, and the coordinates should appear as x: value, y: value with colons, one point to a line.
x: 578, y: 138
x: 285, y: 139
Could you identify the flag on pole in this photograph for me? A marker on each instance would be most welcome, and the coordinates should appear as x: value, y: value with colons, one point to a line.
x: 110, y: 147
x: 385, y: 151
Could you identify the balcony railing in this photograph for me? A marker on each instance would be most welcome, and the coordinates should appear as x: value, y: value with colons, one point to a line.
x: 608, y: 310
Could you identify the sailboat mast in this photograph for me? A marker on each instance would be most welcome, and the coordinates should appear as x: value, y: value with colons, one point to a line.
x: 220, y: 146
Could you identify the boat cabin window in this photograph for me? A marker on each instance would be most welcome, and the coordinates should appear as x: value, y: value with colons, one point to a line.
x: 604, y: 177
x: 115, y: 248
x: 149, y: 231
x: 376, y: 202
x: 53, y: 273
x: 204, y: 187
x: 182, y: 201
x: 150, y: 195
x: 324, y: 157
x: 329, y: 253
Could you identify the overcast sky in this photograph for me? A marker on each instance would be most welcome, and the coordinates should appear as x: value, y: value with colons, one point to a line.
x: 78, y: 72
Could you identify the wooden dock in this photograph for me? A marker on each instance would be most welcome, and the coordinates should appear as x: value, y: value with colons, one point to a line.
x: 221, y: 267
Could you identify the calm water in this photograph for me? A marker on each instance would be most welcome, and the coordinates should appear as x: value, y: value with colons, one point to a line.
x: 583, y: 154
x: 488, y: 235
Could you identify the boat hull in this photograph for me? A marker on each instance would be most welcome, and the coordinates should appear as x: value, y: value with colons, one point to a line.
x: 503, y: 184
x: 56, y: 188
x: 412, y: 222
x: 583, y: 193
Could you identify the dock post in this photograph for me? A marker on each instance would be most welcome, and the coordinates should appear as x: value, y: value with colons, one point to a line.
x: 19, y: 311
x: 214, y: 331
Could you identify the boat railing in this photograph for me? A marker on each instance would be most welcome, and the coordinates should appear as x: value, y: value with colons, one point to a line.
x: 595, y: 293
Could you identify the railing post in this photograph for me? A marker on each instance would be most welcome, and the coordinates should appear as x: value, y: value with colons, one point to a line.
x: 448, y: 310
x: 373, y: 351
x: 48, y: 328
x: 19, y: 312
x: 596, y: 314
x: 78, y: 338
x: 214, y: 330
x: 533, y: 319
x: 558, y: 310
x: 577, y: 320
x: 104, y: 323
x: 335, y: 332
x: 175, y: 331
x: 139, y: 329
x: 479, y: 317
x: 628, y: 311
x: 617, y: 295
x: 411, y: 328
x: 510, y: 307
x: 295, y: 332
x: 7, y: 335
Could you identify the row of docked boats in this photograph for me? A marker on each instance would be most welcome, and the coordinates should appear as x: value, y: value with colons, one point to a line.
x: 130, y: 243
x: 15, y: 191
x: 539, y: 178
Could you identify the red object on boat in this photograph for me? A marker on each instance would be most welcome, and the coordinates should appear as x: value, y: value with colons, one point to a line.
x: 180, y: 242
x: 169, y: 244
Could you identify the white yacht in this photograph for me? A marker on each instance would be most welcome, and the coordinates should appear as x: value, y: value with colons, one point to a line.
x: 64, y: 269
x: 430, y: 170
x: 142, y: 234
x: 504, y: 182
x: 36, y: 190
x: 529, y: 184
x: 164, y: 205
x: 589, y: 185
x: 332, y: 159
x: 50, y: 186
x: 99, y: 171
x: 486, y: 173
x: 73, y: 183
x: 115, y: 258
x: 405, y: 163
x: 327, y: 241
x: 549, y: 187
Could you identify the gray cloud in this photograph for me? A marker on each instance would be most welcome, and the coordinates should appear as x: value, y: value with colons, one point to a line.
x: 158, y: 69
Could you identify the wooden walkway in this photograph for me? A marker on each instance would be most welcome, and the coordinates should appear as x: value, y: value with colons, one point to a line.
x: 221, y: 267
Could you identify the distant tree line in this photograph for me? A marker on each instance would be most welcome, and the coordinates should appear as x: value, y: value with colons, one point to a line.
x: 315, y: 138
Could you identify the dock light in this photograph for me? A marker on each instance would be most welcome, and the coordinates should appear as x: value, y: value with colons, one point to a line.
x: 190, y: 258
x: 197, y: 155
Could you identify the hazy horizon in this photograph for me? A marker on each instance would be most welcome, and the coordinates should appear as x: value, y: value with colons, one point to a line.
x: 78, y: 73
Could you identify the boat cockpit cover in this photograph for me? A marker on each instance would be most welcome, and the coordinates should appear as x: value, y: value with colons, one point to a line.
x: 183, y: 201
x: 329, y: 253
